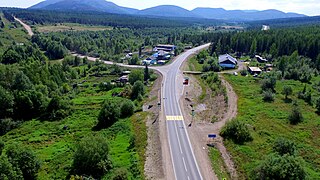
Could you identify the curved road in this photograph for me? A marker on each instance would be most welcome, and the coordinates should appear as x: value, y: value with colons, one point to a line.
x: 185, y: 165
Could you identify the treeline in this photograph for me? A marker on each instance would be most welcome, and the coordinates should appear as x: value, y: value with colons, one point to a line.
x: 94, y: 18
x: 109, y: 44
x: 273, y: 43
x: 114, y: 20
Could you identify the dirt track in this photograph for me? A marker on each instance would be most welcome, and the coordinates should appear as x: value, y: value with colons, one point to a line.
x: 26, y: 27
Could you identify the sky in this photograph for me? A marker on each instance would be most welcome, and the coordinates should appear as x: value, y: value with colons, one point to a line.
x: 307, y: 7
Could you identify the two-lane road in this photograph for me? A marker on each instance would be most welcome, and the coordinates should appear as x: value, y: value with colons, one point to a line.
x: 184, y: 162
x: 185, y: 165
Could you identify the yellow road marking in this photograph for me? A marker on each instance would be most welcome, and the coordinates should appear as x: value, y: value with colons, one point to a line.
x: 174, y: 118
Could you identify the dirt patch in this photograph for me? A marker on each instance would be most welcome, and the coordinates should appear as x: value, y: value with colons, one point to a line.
x: 211, y: 114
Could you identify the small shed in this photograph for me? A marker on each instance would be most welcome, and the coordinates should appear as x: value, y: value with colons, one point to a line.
x: 254, y: 70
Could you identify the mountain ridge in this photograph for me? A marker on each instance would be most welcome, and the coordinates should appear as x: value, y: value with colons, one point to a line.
x: 164, y: 10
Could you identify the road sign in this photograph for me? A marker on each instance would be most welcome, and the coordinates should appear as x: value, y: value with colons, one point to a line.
x: 212, y: 135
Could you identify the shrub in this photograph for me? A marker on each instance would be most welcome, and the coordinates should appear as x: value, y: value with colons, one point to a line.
x: 127, y: 109
x: 7, y: 171
x: 135, y: 75
x: 237, y: 131
x: 6, y: 125
x: 1, y: 146
x: 280, y: 167
x: 109, y: 113
x: 120, y: 174
x: 268, y: 96
x: 295, y: 116
x: 58, y: 108
x: 268, y: 83
x: 244, y: 72
x: 23, y: 160
x: 137, y: 89
x: 287, y: 91
x: 92, y: 157
x: 284, y: 146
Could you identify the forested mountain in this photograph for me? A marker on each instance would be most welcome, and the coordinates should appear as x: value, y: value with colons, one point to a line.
x: 163, y: 10
x: 84, y: 5
x: 220, y: 13
x: 167, y: 11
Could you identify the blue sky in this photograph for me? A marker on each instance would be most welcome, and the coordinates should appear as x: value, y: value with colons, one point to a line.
x: 308, y: 7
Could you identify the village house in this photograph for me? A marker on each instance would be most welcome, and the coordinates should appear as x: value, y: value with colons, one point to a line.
x: 254, y: 70
x: 164, y: 47
x: 227, y: 61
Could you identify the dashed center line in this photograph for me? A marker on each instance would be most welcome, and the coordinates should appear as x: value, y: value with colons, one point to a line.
x: 174, y: 118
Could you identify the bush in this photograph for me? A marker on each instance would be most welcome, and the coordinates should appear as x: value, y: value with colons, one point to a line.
x: 237, y: 131
x: 92, y: 157
x: 135, y: 75
x: 287, y: 91
x: 268, y: 96
x: 7, y: 125
x: 244, y: 72
x: 120, y: 174
x: 268, y: 83
x: 295, y: 116
x: 280, y: 167
x: 58, y: 108
x: 284, y: 146
x: 137, y: 90
x: 7, y: 171
x: 23, y: 160
x: 109, y: 113
x: 127, y: 109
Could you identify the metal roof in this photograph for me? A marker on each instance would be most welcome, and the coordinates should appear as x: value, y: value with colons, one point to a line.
x: 226, y: 57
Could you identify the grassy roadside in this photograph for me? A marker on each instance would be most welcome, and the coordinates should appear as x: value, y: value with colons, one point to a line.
x: 54, y: 145
x: 218, y: 164
x: 268, y: 121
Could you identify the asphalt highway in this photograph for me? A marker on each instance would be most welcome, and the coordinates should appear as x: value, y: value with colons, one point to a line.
x: 184, y: 162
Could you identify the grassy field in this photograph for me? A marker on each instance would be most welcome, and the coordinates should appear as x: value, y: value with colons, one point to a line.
x: 269, y: 121
x: 69, y: 27
x: 55, y: 146
x: 11, y: 34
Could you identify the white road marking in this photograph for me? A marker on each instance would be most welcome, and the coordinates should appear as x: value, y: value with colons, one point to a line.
x: 184, y: 163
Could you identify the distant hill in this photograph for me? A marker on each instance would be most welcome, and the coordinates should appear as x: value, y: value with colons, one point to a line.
x: 84, y: 5
x: 167, y: 11
x: 251, y: 15
x: 164, y: 10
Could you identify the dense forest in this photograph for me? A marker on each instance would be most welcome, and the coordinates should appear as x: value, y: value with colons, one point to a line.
x: 114, y: 20
x: 286, y: 22
x: 273, y: 43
